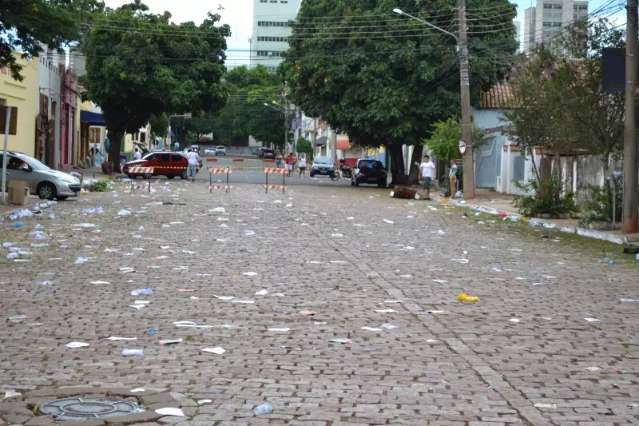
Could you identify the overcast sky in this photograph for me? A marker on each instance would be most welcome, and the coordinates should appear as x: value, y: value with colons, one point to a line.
x: 239, y: 15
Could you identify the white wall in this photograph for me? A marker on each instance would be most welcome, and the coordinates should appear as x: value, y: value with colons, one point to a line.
x: 270, y: 11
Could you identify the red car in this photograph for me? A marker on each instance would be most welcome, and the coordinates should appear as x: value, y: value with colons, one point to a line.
x: 169, y: 164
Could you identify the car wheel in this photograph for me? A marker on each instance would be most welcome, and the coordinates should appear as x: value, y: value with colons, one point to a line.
x: 61, y: 198
x: 170, y: 176
x: 352, y: 183
x: 46, y: 191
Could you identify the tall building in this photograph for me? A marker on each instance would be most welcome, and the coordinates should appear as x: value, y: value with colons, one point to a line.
x: 271, y: 30
x: 545, y: 21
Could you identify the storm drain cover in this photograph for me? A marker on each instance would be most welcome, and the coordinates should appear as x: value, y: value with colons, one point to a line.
x: 81, y: 408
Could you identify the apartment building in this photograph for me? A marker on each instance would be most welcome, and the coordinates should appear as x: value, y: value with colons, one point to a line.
x: 543, y: 22
x: 271, y: 30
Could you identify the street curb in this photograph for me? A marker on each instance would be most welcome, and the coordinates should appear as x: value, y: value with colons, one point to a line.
x: 541, y: 223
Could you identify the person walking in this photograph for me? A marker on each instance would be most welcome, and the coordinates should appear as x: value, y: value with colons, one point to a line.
x: 452, y: 176
x: 427, y: 173
x: 290, y: 163
x: 137, y: 155
x: 194, y: 161
x: 301, y: 165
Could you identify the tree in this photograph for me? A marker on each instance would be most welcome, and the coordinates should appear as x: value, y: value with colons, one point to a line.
x: 27, y: 24
x: 159, y: 125
x: 245, y: 113
x: 562, y: 107
x: 384, y: 79
x: 140, y: 64
x: 444, y: 141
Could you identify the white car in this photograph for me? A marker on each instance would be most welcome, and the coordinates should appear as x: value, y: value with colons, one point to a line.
x: 220, y: 150
x: 210, y: 151
x: 43, y: 181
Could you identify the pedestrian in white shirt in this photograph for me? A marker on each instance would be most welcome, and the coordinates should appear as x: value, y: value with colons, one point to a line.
x: 301, y: 165
x: 137, y: 155
x: 427, y: 173
x: 194, y: 161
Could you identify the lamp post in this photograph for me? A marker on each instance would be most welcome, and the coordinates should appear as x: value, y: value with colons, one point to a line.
x: 464, y: 81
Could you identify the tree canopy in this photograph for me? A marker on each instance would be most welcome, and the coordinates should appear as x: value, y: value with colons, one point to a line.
x: 140, y: 64
x: 385, y: 79
x: 25, y: 24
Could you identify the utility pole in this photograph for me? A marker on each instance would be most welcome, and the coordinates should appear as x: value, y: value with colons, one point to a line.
x: 630, y: 224
x: 464, y: 81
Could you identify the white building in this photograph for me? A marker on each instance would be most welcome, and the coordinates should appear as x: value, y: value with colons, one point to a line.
x: 271, y: 30
x: 545, y: 21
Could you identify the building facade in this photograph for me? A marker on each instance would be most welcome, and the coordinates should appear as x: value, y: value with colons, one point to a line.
x: 271, y: 31
x: 21, y: 97
x: 47, y: 145
x: 543, y: 22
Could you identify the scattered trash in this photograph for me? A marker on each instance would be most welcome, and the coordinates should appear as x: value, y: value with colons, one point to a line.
x: 263, y: 409
x: 80, y: 260
x: 249, y: 274
x: 132, y: 352
x: 151, y: 332
x: 38, y: 235
x: 117, y: 338
x: 224, y: 298
x: 337, y: 235
x: 76, y: 345
x: 629, y: 300
x: 543, y: 405
x: 137, y: 390
x: 432, y: 341
x: 279, y: 329
x: 466, y: 298
x: 593, y: 369
x: 243, y: 301
x: 592, y: 319
x: 387, y: 326
x: 390, y: 222
x: 218, y: 210
x: 100, y: 282
x: 124, y: 213
x: 373, y: 329
x: 385, y: 311
x: 514, y: 320
x: 170, y: 411
x: 11, y: 394
x: 142, y: 292
x: 440, y: 281
x: 93, y: 210
x: 190, y: 324
x: 341, y: 341
x: 308, y: 312
x: 216, y: 350
x: 203, y: 401
x: 17, y: 225
x: 17, y: 318
x: 462, y: 261
x: 262, y: 293
x: 170, y: 342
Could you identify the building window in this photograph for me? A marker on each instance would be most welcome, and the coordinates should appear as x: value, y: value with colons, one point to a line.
x: 13, y: 120
x: 273, y: 38
x: 269, y: 53
x: 273, y: 24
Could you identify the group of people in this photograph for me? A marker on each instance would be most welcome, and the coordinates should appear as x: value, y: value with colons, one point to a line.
x: 289, y: 162
x: 427, y: 171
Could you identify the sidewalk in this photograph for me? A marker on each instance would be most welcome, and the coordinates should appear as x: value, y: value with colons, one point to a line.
x: 501, y: 205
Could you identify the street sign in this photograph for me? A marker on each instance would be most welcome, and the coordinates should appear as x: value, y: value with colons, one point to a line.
x: 462, y: 147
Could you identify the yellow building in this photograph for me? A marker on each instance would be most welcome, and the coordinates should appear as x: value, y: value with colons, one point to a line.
x: 22, y: 95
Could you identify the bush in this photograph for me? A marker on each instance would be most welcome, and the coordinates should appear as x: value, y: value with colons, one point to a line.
x: 599, y: 207
x: 100, y: 186
x: 547, y: 200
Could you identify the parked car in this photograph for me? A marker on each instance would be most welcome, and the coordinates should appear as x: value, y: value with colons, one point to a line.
x: 210, y: 151
x: 220, y: 150
x: 266, y: 153
x: 43, y: 181
x: 169, y: 164
x: 369, y: 171
x: 323, y: 166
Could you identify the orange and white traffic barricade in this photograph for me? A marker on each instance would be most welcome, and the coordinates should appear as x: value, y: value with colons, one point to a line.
x: 275, y: 171
x: 145, y: 172
x: 220, y: 171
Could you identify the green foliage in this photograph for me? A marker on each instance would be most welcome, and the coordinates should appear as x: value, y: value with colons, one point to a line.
x: 599, y: 208
x: 159, y: 125
x: 546, y: 200
x: 103, y: 185
x: 385, y: 79
x: 140, y: 64
x: 561, y: 104
x: 24, y: 24
x: 305, y: 146
x: 245, y: 113
x: 444, y: 141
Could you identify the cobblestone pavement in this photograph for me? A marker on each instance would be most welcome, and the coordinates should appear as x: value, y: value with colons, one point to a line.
x: 336, y: 305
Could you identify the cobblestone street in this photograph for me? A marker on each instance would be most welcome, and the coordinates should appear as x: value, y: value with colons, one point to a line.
x: 336, y: 305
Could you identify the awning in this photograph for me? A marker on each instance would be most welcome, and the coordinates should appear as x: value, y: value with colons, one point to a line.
x: 321, y: 141
x: 92, y: 118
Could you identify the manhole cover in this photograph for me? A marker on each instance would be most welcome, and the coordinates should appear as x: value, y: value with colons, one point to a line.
x: 79, y: 408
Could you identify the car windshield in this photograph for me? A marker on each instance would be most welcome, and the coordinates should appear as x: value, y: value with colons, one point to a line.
x: 323, y: 160
x: 32, y: 162
x: 220, y: 147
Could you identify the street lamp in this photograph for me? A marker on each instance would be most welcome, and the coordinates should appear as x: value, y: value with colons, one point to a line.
x: 464, y: 82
